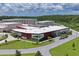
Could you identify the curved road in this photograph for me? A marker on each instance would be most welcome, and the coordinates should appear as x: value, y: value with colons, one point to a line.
x: 43, y: 49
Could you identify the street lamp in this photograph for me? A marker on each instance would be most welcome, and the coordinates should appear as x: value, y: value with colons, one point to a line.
x: 76, y: 35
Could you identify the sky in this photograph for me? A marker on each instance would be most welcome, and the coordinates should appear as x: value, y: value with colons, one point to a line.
x: 38, y: 9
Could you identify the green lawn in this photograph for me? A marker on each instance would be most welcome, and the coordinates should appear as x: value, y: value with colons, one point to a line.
x: 17, y: 44
x: 28, y: 54
x: 66, y: 49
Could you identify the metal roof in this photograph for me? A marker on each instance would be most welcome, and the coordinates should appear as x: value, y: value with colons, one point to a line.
x: 16, y: 19
x: 40, y: 30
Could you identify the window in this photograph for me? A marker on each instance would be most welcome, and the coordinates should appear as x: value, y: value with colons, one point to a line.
x: 36, y: 37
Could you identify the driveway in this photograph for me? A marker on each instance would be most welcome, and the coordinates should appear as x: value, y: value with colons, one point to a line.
x: 43, y: 49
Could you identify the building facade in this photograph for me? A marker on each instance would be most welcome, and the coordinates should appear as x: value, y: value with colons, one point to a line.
x: 40, y: 33
x: 31, y: 29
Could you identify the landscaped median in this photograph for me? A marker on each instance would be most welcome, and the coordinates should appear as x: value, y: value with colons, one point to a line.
x: 70, y: 48
x: 27, y: 54
x: 19, y: 44
x: 18, y: 53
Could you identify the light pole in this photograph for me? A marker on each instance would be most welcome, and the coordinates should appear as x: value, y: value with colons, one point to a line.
x: 76, y: 35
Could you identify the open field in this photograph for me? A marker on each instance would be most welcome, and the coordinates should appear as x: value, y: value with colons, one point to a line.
x: 67, y: 49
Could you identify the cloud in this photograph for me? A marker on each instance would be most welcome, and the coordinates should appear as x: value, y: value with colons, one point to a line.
x: 19, y: 6
x: 37, y: 8
x: 56, y: 7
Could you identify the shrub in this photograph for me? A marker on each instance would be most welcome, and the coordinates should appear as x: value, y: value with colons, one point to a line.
x: 14, y: 35
x: 49, y: 37
x: 73, y: 45
x: 18, y: 53
x: 63, y: 36
x: 69, y: 33
x: 6, y: 35
x: 38, y: 53
x: 6, y: 41
x: 50, y: 40
x: 67, y: 55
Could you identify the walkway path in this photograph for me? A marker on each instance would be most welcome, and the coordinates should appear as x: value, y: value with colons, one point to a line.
x: 10, y: 38
x: 43, y: 49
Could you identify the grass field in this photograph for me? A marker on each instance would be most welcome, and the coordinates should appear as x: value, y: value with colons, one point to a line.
x: 28, y: 54
x: 66, y: 49
x: 17, y: 44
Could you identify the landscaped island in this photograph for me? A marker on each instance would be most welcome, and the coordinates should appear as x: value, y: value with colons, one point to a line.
x: 27, y: 54
x: 70, y: 48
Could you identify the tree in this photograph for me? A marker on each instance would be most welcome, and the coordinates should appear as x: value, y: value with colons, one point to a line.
x: 73, y: 45
x: 38, y: 53
x: 18, y: 53
x: 6, y: 41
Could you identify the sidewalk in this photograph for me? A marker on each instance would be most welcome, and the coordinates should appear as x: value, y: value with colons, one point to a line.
x: 10, y: 38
